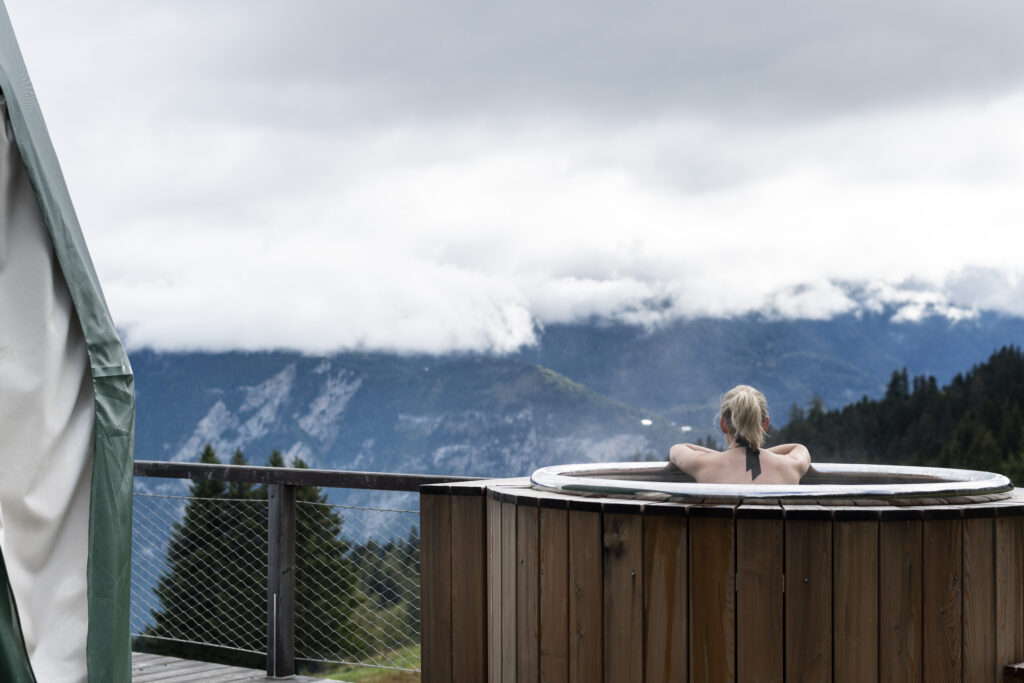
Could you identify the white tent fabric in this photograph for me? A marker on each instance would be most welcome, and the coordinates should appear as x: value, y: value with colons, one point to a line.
x: 67, y: 420
x: 46, y: 434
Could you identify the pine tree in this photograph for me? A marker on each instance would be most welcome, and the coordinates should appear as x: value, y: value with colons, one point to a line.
x: 326, y: 591
x: 214, y: 588
x: 209, y: 585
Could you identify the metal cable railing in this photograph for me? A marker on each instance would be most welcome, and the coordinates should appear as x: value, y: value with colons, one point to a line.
x: 272, y: 568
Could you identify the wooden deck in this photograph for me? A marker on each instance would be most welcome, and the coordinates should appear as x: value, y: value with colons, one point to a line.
x: 157, y: 668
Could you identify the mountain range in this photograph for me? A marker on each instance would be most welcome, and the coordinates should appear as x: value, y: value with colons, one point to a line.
x: 593, y: 391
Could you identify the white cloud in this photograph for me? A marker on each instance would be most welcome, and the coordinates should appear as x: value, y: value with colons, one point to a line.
x: 246, y: 182
x: 989, y: 288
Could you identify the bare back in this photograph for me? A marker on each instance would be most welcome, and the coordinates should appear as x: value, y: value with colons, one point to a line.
x: 780, y: 465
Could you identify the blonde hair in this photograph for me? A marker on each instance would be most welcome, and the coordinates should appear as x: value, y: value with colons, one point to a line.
x: 744, y: 411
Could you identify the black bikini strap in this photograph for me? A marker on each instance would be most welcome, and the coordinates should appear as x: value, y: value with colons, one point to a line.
x: 753, y: 458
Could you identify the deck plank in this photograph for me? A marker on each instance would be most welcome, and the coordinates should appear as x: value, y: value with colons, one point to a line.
x: 148, y: 668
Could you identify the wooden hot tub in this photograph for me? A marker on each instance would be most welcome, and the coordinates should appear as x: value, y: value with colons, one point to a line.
x: 521, y: 584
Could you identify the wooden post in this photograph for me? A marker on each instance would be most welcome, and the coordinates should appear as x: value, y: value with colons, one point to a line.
x: 436, y: 584
x: 281, y: 582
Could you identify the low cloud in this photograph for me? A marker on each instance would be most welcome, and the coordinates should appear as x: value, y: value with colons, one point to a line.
x: 420, y: 240
x: 455, y: 177
x: 988, y: 288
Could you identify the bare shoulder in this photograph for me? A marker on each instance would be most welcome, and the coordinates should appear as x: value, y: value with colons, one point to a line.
x: 687, y: 457
x: 795, y: 455
x: 801, y: 458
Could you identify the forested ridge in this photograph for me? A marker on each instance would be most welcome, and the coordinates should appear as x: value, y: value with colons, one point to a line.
x: 974, y: 422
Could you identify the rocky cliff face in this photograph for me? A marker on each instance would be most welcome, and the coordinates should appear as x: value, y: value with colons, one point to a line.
x: 467, y: 416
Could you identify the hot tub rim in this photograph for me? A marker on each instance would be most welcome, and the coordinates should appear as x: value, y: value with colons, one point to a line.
x: 950, y: 482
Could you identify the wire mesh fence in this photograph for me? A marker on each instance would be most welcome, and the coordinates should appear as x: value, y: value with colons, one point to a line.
x: 199, y: 578
x: 366, y: 607
x: 199, y: 571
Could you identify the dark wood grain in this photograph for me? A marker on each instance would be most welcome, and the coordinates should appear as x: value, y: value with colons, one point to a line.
x: 554, y: 595
x: 1009, y: 590
x: 509, y: 600
x: 808, y: 600
x: 855, y: 596
x: 528, y: 594
x: 665, y: 598
x: 759, y: 557
x: 942, y: 617
x: 494, y: 591
x: 586, y: 602
x: 712, y: 620
x: 469, y: 594
x: 899, y: 609
x: 622, y: 546
x: 979, y: 600
x: 281, y: 581
x: 436, y: 587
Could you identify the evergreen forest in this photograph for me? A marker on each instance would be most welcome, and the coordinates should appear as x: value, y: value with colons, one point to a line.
x: 975, y: 422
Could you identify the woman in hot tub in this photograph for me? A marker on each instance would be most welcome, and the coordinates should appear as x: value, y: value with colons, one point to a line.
x: 744, y: 421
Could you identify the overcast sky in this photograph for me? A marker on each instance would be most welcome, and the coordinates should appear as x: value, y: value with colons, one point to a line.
x: 435, y: 175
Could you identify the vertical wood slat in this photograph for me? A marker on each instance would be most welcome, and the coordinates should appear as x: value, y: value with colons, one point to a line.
x: 1009, y: 591
x: 808, y: 600
x: 855, y: 591
x: 759, y: 628
x: 528, y: 594
x: 979, y: 600
x: 436, y: 586
x: 665, y: 598
x: 899, y: 609
x: 494, y: 590
x: 586, y: 610
x: 509, y: 563
x: 941, y: 618
x: 554, y: 595
x: 622, y: 546
x: 712, y: 573
x: 469, y: 593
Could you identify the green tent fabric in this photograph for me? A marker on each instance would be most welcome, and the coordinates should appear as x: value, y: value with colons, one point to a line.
x: 65, y: 505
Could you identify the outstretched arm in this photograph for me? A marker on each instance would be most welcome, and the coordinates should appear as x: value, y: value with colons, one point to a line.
x: 687, y: 456
x: 797, y: 452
